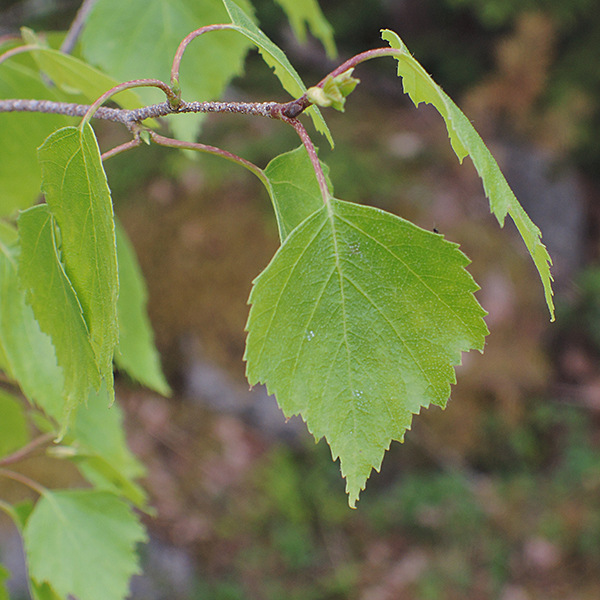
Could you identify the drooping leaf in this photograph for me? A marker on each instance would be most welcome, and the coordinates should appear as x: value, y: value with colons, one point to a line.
x: 75, y: 76
x: 138, y: 39
x: 277, y: 60
x: 82, y: 543
x: 29, y: 352
x: 55, y: 303
x: 102, y: 452
x: 356, y: 324
x: 74, y: 183
x: 466, y: 142
x: 20, y: 136
x: 13, y: 424
x: 136, y: 353
x: 308, y: 12
x: 294, y: 189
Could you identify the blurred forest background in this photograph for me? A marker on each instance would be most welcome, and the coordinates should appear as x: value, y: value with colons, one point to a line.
x: 498, y: 496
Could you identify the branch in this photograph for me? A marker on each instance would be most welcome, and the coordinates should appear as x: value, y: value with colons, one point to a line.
x: 272, y: 110
x: 312, y: 154
x: 75, y: 30
x: 25, y: 451
x: 30, y: 483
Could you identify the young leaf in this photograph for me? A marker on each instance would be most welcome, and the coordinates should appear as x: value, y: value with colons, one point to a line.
x: 356, y: 324
x: 20, y: 135
x: 466, y: 142
x: 293, y: 188
x: 82, y: 543
x: 77, y: 194
x: 139, y: 38
x: 72, y: 75
x: 276, y: 59
x: 29, y: 352
x: 14, y: 432
x: 308, y: 12
x: 136, y: 353
x: 55, y: 304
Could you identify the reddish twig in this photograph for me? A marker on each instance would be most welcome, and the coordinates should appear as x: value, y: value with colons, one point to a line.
x: 76, y: 27
x: 30, y: 483
x: 18, y: 50
x: 122, y: 148
x: 171, y: 143
x: 184, y: 44
x: 127, y: 85
x: 312, y: 153
x: 27, y: 450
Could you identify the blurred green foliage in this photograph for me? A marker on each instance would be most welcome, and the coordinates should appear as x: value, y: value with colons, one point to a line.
x: 475, y: 531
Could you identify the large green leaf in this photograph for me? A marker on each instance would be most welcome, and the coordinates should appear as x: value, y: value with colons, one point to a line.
x: 356, y: 324
x: 138, y: 39
x: 78, y: 196
x: 308, y: 12
x: 29, y: 352
x: 74, y: 76
x: 466, y: 142
x: 276, y: 59
x: 293, y: 188
x: 20, y: 135
x: 13, y: 424
x: 136, y: 353
x: 55, y: 303
x: 82, y: 543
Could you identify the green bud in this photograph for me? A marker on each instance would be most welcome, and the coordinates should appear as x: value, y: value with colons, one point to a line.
x: 346, y: 83
x: 317, y: 96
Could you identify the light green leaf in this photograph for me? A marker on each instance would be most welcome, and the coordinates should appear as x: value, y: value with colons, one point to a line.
x: 13, y: 424
x: 308, y: 12
x: 293, y: 188
x: 276, y: 59
x: 138, y: 39
x: 136, y: 353
x: 82, y: 543
x: 466, y: 142
x: 356, y: 324
x: 29, y: 352
x: 55, y: 304
x: 77, y: 194
x: 20, y: 135
x: 74, y: 76
x: 102, y: 453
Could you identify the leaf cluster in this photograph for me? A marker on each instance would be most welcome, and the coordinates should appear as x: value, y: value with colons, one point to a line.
x: 356, y: 323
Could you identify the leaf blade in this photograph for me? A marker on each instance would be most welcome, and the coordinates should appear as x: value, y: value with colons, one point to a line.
x: 138, y: 39
x: 29, y: 352
x: 466, y: 142
x: 20, y: 136
x: 356, y: 324
x: 82, y: 543
x: 136, y: 353
x: 277, y: 60
x: 308, y: 12
x: 77, y: 193
x: 294, y: 189
x: 55, y: 303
